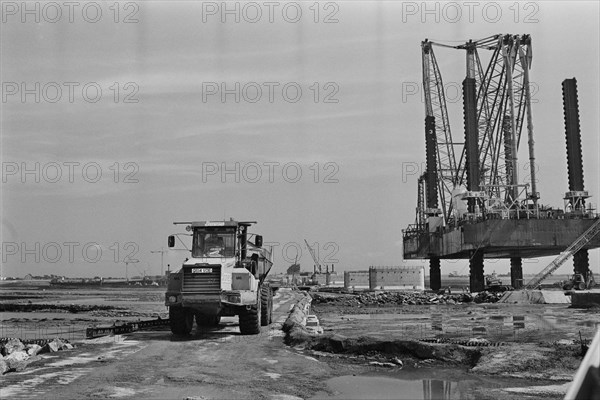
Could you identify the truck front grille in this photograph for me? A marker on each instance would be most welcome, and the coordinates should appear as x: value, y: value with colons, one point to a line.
x: 202, y: 282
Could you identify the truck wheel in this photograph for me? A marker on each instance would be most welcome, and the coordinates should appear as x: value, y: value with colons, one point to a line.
x: 207, y: 320
x: 181, y: 320
x: 266, y: 300
x: 250, y: 320
x: 581, y: 286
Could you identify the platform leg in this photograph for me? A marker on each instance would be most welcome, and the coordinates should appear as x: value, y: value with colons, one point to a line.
x: 476, y: 272
x: 516, y: 272
x: 435, y: 275
x: 581, y: 263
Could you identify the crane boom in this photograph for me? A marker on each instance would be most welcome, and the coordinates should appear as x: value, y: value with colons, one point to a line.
x: 572, y: 249
x: 313, y: 255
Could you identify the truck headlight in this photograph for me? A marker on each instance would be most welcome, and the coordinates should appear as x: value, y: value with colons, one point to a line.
x: 172, y: 299
x: 234, y: 298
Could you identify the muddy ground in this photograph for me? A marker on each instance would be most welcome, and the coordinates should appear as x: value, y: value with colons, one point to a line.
x: 537, y: 359
x: 537, y: 347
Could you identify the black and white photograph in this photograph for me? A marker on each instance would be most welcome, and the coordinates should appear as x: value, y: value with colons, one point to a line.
x: 300, y: 200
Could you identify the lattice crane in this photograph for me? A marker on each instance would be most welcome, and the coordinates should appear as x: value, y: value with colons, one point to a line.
x: 503, y: 101
x: 314, y: 256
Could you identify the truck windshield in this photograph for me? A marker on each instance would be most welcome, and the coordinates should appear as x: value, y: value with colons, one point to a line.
x: 213, y: 243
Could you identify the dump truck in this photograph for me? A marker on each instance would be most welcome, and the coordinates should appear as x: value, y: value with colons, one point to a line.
x: 224, y: 276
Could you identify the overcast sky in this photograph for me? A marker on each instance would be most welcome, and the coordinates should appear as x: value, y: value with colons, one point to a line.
x: 163, y: 129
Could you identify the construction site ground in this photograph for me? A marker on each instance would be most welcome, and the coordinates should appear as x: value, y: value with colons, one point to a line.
x: 538, y: 358
x: 536, y: 347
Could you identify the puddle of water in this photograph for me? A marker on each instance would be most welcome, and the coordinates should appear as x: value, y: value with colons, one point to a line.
x: 388, y: 316
x: 377, y: 387
x: 500, y: 324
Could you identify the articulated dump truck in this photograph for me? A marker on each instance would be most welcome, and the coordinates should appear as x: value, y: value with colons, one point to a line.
x: 225, y: 276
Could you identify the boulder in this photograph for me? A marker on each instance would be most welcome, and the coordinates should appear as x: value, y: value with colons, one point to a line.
x: 16, y: 361
x: 13, y: 345
x: 51, y: 347
x: 33, y: 349
x: 3, y: 366
x: 17, y: 356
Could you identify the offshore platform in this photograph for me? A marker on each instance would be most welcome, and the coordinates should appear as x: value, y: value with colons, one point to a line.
x: 470, y: 203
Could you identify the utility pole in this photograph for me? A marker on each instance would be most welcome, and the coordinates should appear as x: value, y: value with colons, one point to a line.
x: 127, y: 262
x: 162, y: 252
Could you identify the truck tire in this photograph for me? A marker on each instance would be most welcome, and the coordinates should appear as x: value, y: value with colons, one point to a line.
x: 581, y: 286
x: 250, y: 320
x: 207, y: 320
x: 266, y: 300
x: 181, y: 320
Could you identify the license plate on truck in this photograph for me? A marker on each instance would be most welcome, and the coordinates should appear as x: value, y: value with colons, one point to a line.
x: 202, y: 270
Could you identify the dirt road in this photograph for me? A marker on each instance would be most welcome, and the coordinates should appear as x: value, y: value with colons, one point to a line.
x: 210, y: 364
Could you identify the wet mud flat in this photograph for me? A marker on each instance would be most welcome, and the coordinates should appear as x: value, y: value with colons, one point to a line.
x: 492, y: 351
x: 48, y: 312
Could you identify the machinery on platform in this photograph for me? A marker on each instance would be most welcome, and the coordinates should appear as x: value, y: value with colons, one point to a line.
x: 493, y: 284
x: 225, y: 276
x: 471, y: 202
x: 580, y: 282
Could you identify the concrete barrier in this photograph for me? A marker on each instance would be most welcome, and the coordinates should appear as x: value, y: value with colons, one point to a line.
x: 535, y: 297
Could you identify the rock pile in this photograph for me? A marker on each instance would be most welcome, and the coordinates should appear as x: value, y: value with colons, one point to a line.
x: 488, y: 297
x: 16, y: 355
x: 402, y: 298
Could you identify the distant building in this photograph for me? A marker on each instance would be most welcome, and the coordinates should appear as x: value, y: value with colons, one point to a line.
x: 386, y: 278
